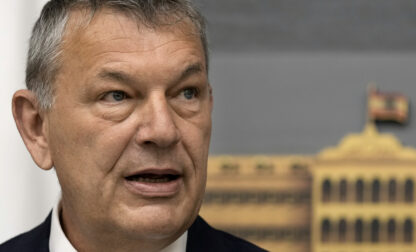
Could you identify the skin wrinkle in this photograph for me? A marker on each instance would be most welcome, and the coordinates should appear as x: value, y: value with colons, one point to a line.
x: 122, y: 77
x: 150, y: 50
x: 117, y: 159
x: 184, y: 23
x: 126, y: 52
x: 134, y: 51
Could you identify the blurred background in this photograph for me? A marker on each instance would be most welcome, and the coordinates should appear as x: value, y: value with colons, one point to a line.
x: 289, y: 78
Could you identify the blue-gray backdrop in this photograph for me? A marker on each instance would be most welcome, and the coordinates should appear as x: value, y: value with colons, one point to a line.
x: 290, y: 76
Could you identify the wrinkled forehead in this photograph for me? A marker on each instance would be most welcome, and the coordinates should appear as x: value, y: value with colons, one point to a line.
x: 81, y: 19
x: 86, y: 28
x: 115, y: 40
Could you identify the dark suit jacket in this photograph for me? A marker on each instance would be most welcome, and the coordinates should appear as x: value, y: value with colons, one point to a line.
x: 201, y: 238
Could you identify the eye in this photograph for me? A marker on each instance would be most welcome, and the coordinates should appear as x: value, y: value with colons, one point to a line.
x: 115, y: 96
x: 190, y: 93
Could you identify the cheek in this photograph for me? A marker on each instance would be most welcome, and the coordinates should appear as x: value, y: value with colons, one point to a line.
x: 88, y: 148
x: 196, y: 137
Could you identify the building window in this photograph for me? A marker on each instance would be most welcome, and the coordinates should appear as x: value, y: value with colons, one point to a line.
x: 375, y: 230
x: 375, y: 192
x: 359, y: 191
x: 326, y: 190
x: 342, y: 230
x: 408, y: 231
x: 343, y: 190
x: 408, y: 191
x: 392, y: 190
x: 265, y: 168
x: 358, y: 230
x: 230, y: 168
x: 391, y: 230
x: 325, y: 230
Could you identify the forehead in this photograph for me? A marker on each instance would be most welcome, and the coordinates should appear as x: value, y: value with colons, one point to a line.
x: 85, y: 31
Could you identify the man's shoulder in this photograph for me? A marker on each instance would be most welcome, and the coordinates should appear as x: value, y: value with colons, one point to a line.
x: 202, y: 237
x: 36, y: 239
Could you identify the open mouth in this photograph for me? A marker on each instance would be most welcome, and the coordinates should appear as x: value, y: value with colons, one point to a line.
x: 152, y: 183
x: 153, y: 178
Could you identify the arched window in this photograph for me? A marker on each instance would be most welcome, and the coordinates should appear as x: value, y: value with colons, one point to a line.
x: 325, y: 230
x: 408, y: 191
x: 343, y: 190
x: 392, y: 190
x: 326, y: 190
x: 391, y: 230
x: 359, y: 191
x: 342, y: 230
x: 358, y: 228
x: 408, y: 231
x: 375, y: 192
x: 375, y: 230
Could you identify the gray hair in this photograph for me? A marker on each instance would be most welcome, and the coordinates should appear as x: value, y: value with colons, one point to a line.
x: 44, y: 46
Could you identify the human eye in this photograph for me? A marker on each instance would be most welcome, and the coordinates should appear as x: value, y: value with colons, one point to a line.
x: 114, y: 96
x: 190, y: 93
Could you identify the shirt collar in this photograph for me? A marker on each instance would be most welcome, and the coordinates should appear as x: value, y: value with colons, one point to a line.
x: 59, y: 243
x: 57, y: 239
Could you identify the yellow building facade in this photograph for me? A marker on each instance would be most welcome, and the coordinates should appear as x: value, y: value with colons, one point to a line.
x: 357, y: 196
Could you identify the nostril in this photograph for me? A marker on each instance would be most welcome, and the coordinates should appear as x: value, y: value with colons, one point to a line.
x: 149, y: 135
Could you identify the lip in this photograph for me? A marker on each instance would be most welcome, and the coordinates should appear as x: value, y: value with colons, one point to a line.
x: 156, y: 171
x: 152, y: 190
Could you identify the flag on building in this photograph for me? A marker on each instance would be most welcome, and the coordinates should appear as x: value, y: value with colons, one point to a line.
x: 384, y: 106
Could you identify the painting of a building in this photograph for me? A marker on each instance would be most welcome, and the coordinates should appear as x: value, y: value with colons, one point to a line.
x: 357, y: 196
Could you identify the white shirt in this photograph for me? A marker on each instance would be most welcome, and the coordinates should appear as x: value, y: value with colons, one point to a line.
x: 59, y: 243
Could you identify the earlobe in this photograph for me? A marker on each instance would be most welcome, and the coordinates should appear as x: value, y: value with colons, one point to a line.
x: 32, y: 127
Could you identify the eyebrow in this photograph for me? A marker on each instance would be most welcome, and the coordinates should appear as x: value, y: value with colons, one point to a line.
x: 190, y: 70
x: 123, y: 77
x: 116, y: 75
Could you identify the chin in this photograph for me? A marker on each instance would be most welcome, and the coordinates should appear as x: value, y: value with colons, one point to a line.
x: 158, y: 222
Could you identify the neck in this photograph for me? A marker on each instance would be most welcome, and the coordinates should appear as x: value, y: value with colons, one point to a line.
x: 84, y: 238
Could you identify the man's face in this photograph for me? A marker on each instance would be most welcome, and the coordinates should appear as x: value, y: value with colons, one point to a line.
x: 130, y: 127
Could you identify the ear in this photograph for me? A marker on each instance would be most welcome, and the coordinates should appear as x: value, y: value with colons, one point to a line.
x: 32, y: 127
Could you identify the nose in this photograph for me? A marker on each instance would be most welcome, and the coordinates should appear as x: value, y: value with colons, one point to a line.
x: 157, y: 123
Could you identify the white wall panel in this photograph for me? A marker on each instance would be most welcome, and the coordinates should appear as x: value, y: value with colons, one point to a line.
x: 26, y: 192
